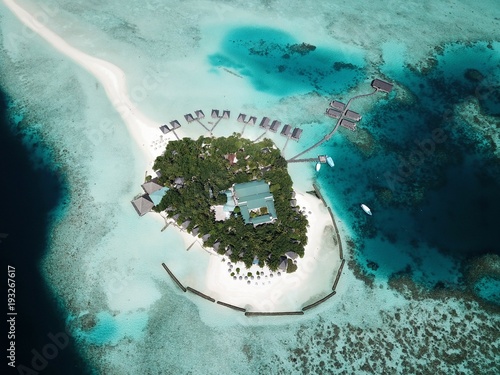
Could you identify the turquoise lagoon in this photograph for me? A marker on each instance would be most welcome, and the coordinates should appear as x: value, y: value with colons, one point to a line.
x: 419, y: 291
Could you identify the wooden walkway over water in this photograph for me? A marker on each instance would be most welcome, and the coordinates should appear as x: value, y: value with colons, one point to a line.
x: 329, y: 135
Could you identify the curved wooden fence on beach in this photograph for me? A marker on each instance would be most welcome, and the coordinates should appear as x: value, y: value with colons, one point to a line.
x: 173, y: 277
x: 319, y: 302
x: 231, y: 306
x: 208, y: 298
x: 258, y: 313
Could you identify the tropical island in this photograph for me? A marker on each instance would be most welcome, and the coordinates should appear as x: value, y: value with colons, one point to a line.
x: 236, y: 195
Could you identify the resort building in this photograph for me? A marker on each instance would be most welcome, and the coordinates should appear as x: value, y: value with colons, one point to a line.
x: 252, y: 120
x: 355, y: 116
x: 199, y: 114
x: 175, y: 124
x: 255, y: 201
x: 338, y: 106
x: 333, y: 113
x: 215, y: 113
x: 264, y: 123
x: 151, y: 186
x: 189, y: 117
x: 226, y: 114
x: 297, y: 132
x: 143, y: 204
x: 382, y: 85
x: 286, y: 130
x: 164, y: 129
x: 348, y: 124
x: 275, y: 125
x: 241, y: 117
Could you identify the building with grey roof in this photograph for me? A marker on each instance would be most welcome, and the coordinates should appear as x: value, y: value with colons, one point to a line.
x: 275, y: 125
x: 143, y: 204
x: 355, y: 116
x: 226, y: 114
x: 252, y: 120
x: 382, y: 85
x: 189, y: 117
x: 333, y: 113
x: 175, y: 124
x: 151, y: 186
x: 348, y: 124
x: 164, y: 129
x: 215, y: 113
x: 264, y: 123
x: 296, y: 134
x: 199, y: 114
x: 241, y: 117
x: 339, y: 106
x: 286, y: 130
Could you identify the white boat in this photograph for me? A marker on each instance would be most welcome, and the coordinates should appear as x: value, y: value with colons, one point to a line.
x: 318, y: 166
x: 366, y: 209
x: 330, y: 162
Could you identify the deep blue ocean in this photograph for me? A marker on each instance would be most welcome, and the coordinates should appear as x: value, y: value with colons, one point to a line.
x: 31, y: 192
x: 431, y: 179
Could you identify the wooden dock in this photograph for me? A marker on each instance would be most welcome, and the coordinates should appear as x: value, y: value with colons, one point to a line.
x: 337, y: 278
x: 231, y: 306
x: 319, y: 302
x: 174, y: 278
x: 284, y: 313
x: 200, y: 294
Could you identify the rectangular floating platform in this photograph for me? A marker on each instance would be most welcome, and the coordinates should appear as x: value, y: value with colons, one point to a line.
x: 275, y: 125
x: 333, y: 113
x: 348, y: 124
x: 286, y: 130
x: 355, y: 116
x: 338, y: 106
x: 382, y: 85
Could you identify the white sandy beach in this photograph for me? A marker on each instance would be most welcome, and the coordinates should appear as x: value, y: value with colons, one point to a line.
x: 316, y: 270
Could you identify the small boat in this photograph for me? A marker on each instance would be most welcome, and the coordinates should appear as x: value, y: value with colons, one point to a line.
x: 330, y: 162
x: 366, y: 209
x: 318, y: 166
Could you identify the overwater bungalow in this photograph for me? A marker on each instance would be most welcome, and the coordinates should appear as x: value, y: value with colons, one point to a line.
x: 348, y: 124
x: 355, y: 116
x: 252, y: 120
x: 333, y: 113
x: 241, y: 117
x: 215, y: 113
x: 382, y: 85
x: 189, y: 117
x: 226, y: 114
x: 143, y: 204
x: 275, y: 125
x: 164, y: 129
x: 297, y: 132
x: 199, y: 114
x: 286, y: 130
x: 264, y: 123
x: 175, y: 124
x: 339, y: 106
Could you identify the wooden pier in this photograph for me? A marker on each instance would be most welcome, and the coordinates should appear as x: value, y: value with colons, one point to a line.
x: 257, y: 313
x: 173, y: 277
x: 231, y: 306
x: 339, y: 272
x: 319, y: 302
x: 200, y: 294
